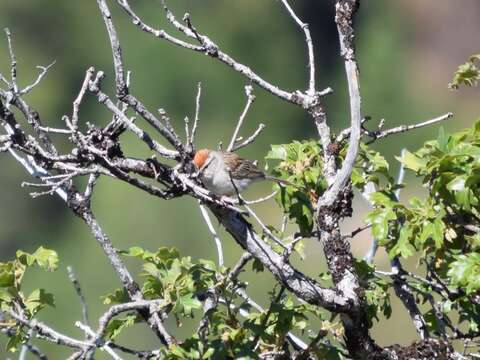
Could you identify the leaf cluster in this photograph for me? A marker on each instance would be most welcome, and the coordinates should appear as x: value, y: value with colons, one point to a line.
x: 12, y: 296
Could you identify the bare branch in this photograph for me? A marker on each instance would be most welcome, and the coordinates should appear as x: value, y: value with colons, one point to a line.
x: 210, y: 48
x: 308, y: 38
x: 33, y: 350
x: 78, y: 100
x: 250, y: 100
x: 191, y: 140
x: 250, y: 139
x: 43, y: 72
x: 92, y: 180
x: 47, y: 332
x: 216, y: 238
x: 405, y: 295
x: 79, y: 292
x: 265, y: 229
x: 301, y: 285
x: 157, y: 33
x: 235, y: 271
x: 13, y: 63
x: 89, y: 332
x: 55, y: 130
x: 151, y: 305
x: 122, y: 90
x: 344, y: 19
x: 262, y: 199
x: 404, y: 128
x: 94, y: 87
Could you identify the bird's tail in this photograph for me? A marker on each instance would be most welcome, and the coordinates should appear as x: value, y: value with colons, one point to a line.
x: 283, y: 182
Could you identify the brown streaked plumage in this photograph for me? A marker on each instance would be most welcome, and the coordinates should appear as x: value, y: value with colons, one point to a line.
x: 225, y: 173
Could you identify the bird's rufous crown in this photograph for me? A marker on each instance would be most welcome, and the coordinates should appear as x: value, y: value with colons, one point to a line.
x: 200, y: 157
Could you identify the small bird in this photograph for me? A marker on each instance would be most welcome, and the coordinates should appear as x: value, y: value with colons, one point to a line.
x: 226, y: 173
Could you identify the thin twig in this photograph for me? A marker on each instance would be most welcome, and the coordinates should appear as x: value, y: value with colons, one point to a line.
x: 77, y: 102
x: 262, y: 199
x: 404, y: 128
x: 13, y: 63
x: 92, y: 180
x: 141, y: 134
x: 48, y: 333
x: 359, y: 230
x: 250, y: 139
x: 191, y: 140
x: 210, y: 48
x: 265, y: 229
x: 216, y: 238
x: 235, y: 271
x: 121, y: 85
x: 308, y: 38
x: 92, y: 334
x: 79, y: 292
x: 55, y: 130
x: 43, y: 72
x: 250, y: 100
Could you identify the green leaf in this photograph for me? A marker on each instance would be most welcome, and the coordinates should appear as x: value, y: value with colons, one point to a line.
x: 25, y: 258
x: 403, y: 247
x: 45, y: 258
x: 442, y: 139
x: 7, y: 276
x: 379, y: 219
x: 438, y: 233
x: 116, y: 326
x: 119, y: 296
x: 457, y: 184
x: 15, y: 341
x: 467, y: 74
x: 412, y: 161
x: 38, y: 299
x: 465, y: 272
x: 277, y: 152
x: 187, y: 303
x: 134, y: 251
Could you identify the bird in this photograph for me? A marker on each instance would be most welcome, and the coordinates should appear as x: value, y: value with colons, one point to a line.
x: 225, y: 173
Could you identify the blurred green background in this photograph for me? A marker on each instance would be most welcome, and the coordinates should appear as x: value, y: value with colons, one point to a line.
x: 407, y: 53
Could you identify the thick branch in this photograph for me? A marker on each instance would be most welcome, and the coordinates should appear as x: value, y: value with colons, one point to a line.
x: 302, y: 286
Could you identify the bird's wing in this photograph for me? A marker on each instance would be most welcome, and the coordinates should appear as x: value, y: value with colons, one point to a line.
x: 241, y: 168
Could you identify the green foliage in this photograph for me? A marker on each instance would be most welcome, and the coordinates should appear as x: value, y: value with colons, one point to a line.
x: 116, y: 326
x: 174, y: 279
x: 377, y: 296
x: 301, y: 164
x: 467, y: 74
x: 371, y: 166
x: 450, y: 171
x: 443, y: 226
x: 179, y: 284
x: 465, y: 272
x: 12, y: 296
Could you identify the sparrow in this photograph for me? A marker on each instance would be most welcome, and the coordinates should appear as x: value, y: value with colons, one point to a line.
x: 225, y: 173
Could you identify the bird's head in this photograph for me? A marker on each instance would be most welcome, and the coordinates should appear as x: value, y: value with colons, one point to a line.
x: 201, y: 157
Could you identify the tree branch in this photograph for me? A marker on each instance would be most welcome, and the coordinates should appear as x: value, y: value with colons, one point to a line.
x: 250, y: 100
x: 308, y: 39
